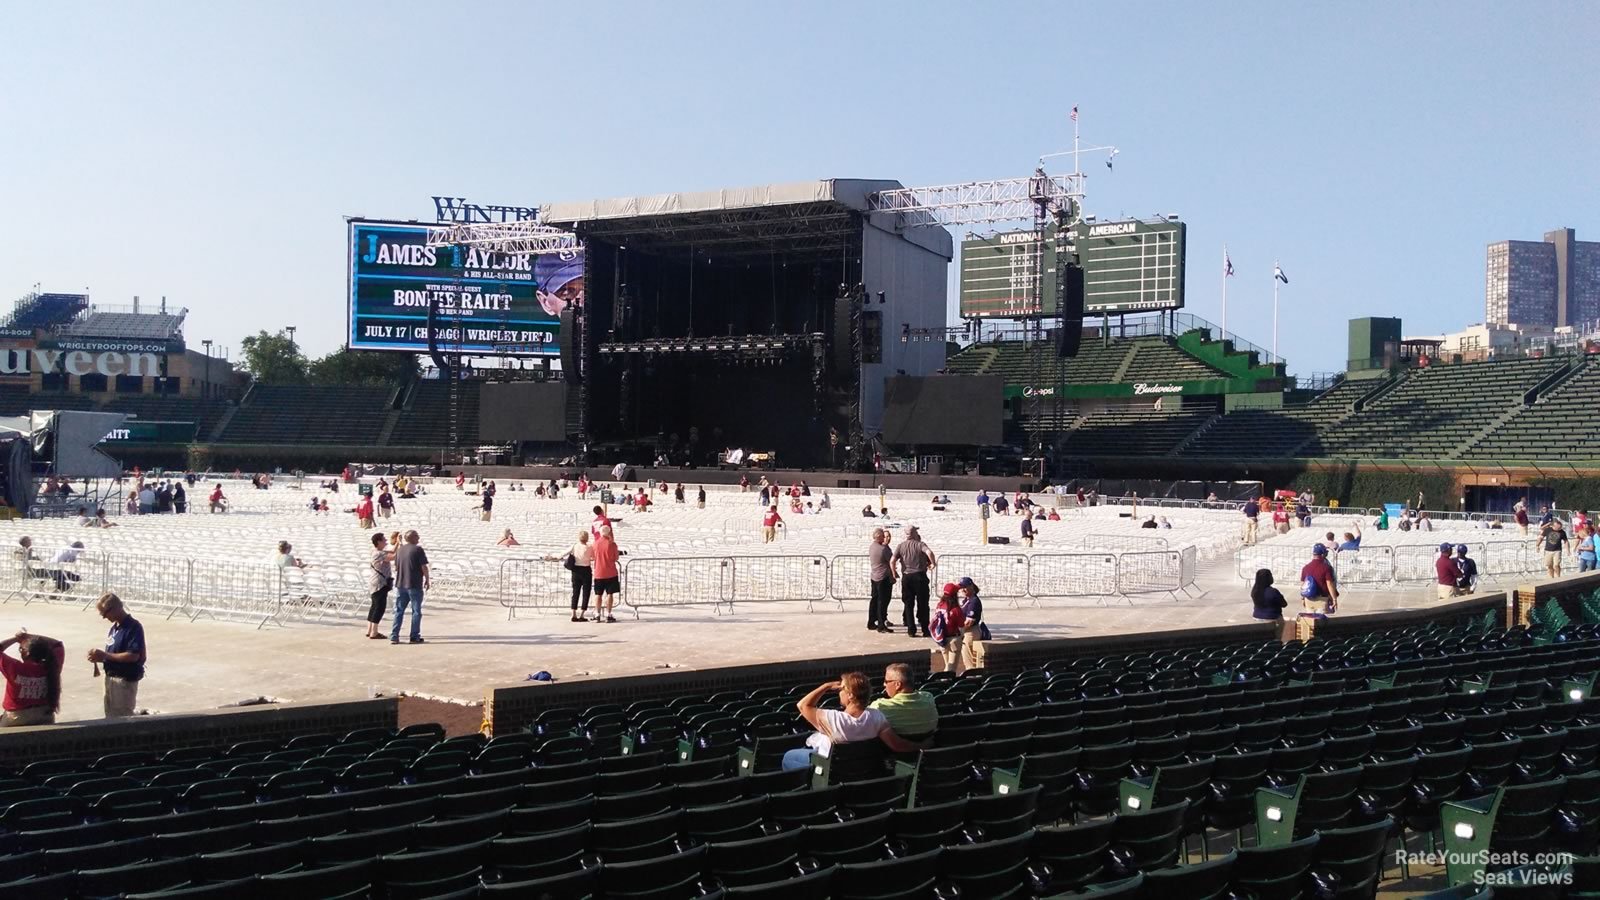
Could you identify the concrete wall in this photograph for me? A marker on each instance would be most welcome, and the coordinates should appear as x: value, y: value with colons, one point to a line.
x: 216, y: 728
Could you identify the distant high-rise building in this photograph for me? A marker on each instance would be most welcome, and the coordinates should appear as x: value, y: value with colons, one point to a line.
x: 1550, y: 283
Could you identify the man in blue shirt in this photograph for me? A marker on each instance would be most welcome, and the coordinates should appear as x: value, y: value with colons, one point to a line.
x: 1252, y: 513
x: 123, y: 656
x: 983, y: 498
x: 1352, y: 541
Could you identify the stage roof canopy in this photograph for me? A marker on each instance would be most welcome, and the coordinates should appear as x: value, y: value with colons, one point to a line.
x: 798, y: 219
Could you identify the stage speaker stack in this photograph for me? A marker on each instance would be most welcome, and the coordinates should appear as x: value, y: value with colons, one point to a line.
x: 842, y: 357
x: 1069, y: 290
x: 569, y: 345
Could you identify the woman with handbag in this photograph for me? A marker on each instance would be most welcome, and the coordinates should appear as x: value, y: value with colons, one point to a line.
x: 578, y: 561
x: 380, y: 578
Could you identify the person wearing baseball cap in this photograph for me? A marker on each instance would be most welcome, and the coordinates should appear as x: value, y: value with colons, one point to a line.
x: 945, y: 626
x: 1467, y: 567
x: 975, y: 634
x: 1319, y: 590
x: 1444, y: 566
x: 558, y: 279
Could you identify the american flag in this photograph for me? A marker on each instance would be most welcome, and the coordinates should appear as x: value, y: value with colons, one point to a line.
x: 1227, y: 264
x: 1074, y: 114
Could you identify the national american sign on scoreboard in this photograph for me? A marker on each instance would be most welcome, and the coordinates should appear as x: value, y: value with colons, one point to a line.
x: 1131, y: 266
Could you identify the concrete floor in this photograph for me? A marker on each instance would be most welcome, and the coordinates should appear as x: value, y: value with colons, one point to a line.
x: 472, y: 647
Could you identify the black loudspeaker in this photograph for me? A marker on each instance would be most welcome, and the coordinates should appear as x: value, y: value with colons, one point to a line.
x: 841, y: 356
x: 1069, y: 290
x: 999, y: 540
x: 569, y: 345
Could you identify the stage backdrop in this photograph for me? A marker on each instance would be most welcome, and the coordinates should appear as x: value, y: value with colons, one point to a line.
x: 960, y: 410
x: 507, y: 305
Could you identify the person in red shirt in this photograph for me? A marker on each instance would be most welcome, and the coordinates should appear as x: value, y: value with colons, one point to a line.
x: 1319, y: 590
x: 33, y: 683
x: 364, y: 512
x: 603, y: 562
x: 642, y: 501
x: 770, y: 523
x: 1445, y: 572
x: 1280, y: 519
x: 601, y: 520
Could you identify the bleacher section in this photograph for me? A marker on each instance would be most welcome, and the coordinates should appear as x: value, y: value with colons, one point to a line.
x: 425, y: 422
x: 1087, y: 772
x: 45, y: 310
x: 1270, y: 433
x: 1561, y: 425
x: 1154, y: 359
x: 1133, y: 432
x: 1432, y: 411
x: 283, y: 414
x: 1094, y: 363
x: 138, y: 326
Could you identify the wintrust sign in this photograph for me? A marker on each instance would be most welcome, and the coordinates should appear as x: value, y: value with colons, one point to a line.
x: 29, y: 360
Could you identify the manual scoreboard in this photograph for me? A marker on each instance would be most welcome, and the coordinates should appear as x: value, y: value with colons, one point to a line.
x: 1131, y: 266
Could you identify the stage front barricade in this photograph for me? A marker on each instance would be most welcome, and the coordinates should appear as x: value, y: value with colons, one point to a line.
x: 677, y: 581
x: 999, y: 576
x: 768, y: 579
x: 1054, y: 576
x: 534, y: 584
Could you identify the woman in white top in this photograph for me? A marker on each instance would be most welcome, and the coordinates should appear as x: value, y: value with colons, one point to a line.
x: 578, y: 561
x: 855, y: 722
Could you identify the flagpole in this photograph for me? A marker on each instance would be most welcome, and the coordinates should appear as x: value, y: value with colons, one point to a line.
x: 1275, y: 271
x: 1224, y: 334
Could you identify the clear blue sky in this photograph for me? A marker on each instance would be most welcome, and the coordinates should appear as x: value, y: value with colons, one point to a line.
x: 208, y: 151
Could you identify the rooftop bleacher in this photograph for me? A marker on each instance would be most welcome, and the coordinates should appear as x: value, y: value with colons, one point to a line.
x: 285, y: 414
x: 46, y: 310
x: 156, y: 326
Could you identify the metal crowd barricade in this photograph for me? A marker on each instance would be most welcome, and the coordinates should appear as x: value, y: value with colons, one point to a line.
x: 1413, y: 563
x: 1502, y: 559
x: 146, y: 581
x: 256, y: 592
x: 34, y: 579
x: 999, y: 576
x: 1283, y: 561
x: 676, y: 581
x: 767, y: 579
x: 1061, y: 575
x: 1149, y: 572
x: 850, y: 578
x: 533, y: 584
x: 1369, y: 565
x: 1133, y: 542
